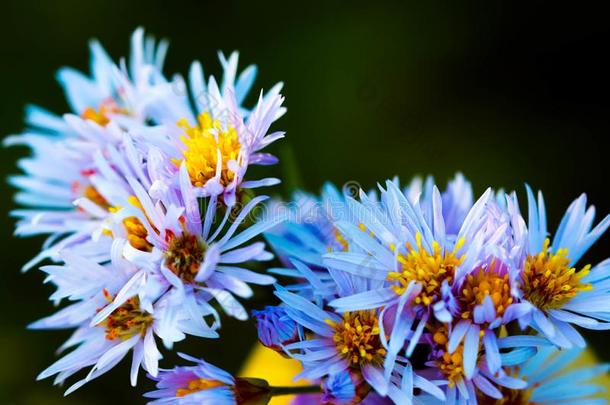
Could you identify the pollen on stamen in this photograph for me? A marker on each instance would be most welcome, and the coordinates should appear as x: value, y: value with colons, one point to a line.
x: 101, y: 115
x: 340, y: 242
x: 196, y: 385
x: 92, y: 194
x: 548, y: 281
x: 357, y: 338
x: 185, y: 255
x: 127, y: 320
x: 492, y: 281
x: 449, y: 364
x: 204, y: 145
x: 430, y: 269
x: 137, y: 233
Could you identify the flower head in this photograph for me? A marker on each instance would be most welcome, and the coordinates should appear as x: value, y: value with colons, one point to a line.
x: 204, y: 383
x: 104, y: 105
x: 561, y: 293
x: 201, y: 383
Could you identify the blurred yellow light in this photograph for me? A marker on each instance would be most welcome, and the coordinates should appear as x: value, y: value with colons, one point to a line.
x: 277, y: 370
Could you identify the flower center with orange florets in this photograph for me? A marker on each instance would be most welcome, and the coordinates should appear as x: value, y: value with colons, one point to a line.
x: 205, y: 144
x: 548, y: 281
x: 450, y: 364
x: 127, y: 320
x: 485, y: 282
x: 185, y: 255
x: 428, y: 269
x: 196, y: 385
x: 137, y: 233
x: 357, y: 338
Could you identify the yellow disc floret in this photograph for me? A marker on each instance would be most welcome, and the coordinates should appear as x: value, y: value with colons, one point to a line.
x: 450, y: 364
x: 127, y: 320
x: 136, y: 232
x: 485, y: 282
x: 548, y: 281
x: 205, y: 144
x: 199, y: 384
x: 357, y: 338
x: 430, y: 269
x: 342, y: 245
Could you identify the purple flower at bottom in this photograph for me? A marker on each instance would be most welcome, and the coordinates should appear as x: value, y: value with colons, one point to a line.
x: 205, y: 384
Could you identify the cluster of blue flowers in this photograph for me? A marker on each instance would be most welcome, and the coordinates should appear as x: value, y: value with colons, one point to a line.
x: 397, y: 295
x: 414, y: 295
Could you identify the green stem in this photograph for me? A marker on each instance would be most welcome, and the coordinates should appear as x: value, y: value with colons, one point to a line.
x: 307, y: 389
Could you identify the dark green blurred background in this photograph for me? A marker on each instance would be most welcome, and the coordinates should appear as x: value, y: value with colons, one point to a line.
x: 506, y: 93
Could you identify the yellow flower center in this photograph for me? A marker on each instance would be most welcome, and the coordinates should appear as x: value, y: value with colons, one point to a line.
x: 197, y: 385
x: 184, y: 256
x: 548, y: 281
x: 204, y: 144
x: 357, y: 338
x: 136, y: 232
x: 428, y: 269
x: 450, y: 364
x: 483, y: 283
x: 127, y: 320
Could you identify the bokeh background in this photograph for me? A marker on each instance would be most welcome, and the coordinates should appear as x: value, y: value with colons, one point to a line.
x: 505, y: 92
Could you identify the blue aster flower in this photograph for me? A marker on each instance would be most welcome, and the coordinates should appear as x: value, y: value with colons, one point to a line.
x: 192, y: 254
x: 202, y: 383
x: 215, y: 137
x: 560, y: 292
x: 360, y: 341
x: 486, y: 296
x: 481, y: 382
x: 411, y: 258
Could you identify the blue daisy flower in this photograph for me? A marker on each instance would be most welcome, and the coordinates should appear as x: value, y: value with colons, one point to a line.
x: 202, y: 383
x: 411, y: 258
x: 360, y: 341
x: 560, y: 293
x: 481, y: 381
